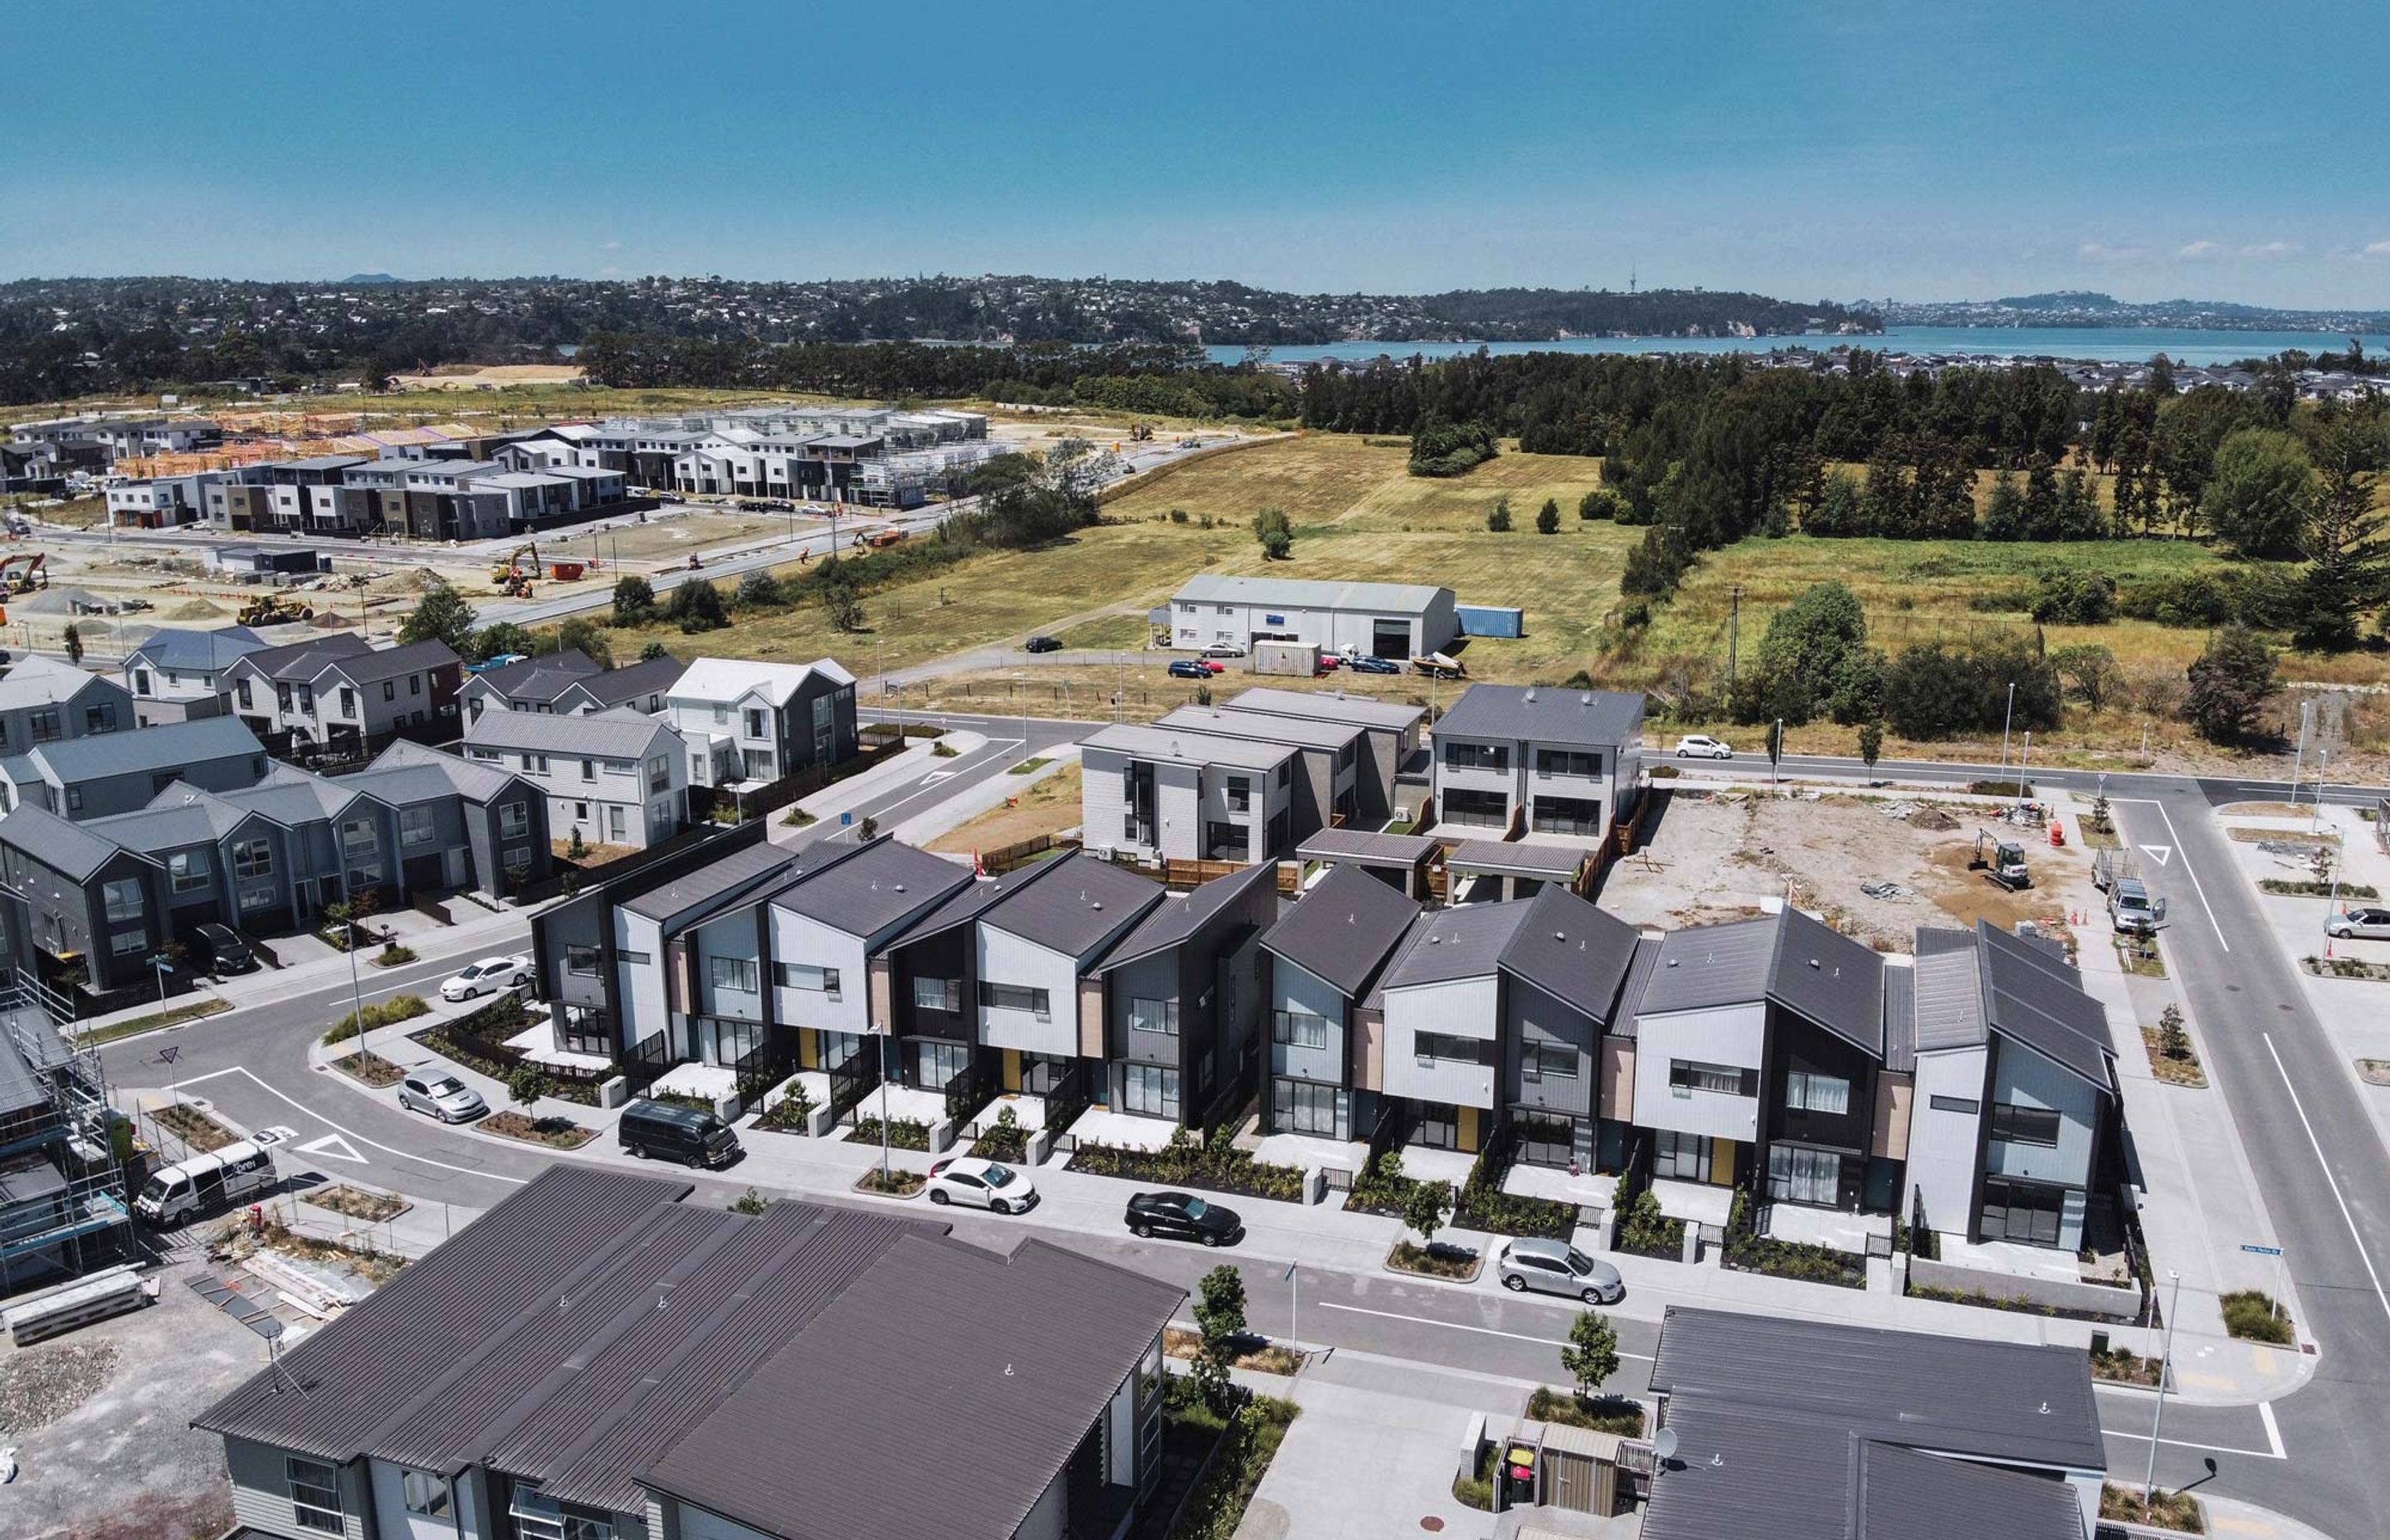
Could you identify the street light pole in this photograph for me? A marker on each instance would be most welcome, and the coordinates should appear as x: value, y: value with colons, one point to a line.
x: 2298, y: 755
x: 2157, y: 1418
x: 2006, y: 721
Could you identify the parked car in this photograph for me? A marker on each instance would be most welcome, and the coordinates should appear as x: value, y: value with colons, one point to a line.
x: 1376, y: 666
x: 1328, y: 660
x: 2371, y: 924
x: 1042, y: 644
x: 441, y: 1095
x: 1187, y: 668
x: 979, y: 1184
x: 1700, y: 746
x: 1557, y: 1267
x: 1224, y: 650
x: 487, y: 977
x: 1183, y: 1217
x: 692, y: 1135
x: 206, y: 1183
x: 1210, y: 665
x: 221, y: 950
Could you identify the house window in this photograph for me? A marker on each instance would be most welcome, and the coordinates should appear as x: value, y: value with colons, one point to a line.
x: 754, y: 722
x: 1444, y: 1048
x: 1553, y: 1060
x: 307, y: 700
x: 253, y: 900
x: 123, y: 898
x: 1686, y: 1077
x: 2036, y: 1125
x: 1299, y: 1106
x: 349, y: 708
x: 1476, y: 809
x: 807, y: 976
x: 1807, y: 1091
x: 616, y: 826
x: 1967, y: 1105
x: 1563, y: 762
x: 1685, y: 1157
x: 357, y: 836
x: 938, y: 1063
x: 282, y: 697
x: 390, y: 689
x: 1017, y: 997
x: 188, y: 870
x: 721, y: 716
x: 1156, y: 1016
x: 1578, y: 816
x: 944, y: 995
x: 2026, y: 1212
x: 514, y: 820
x: 74, y: 799
x: 740, y: 973
x: 1226, y: 841
x: 1476, y: 756
x: 631, y: 959
x: 240, y: 693
x: 1799, y: 1176
x: 660, y: 773
x: 517, y: 864
x: 1239, y: 792
x: 1151, y: 1089
x: 125, y: 942
x: 315, y: 1494
x: 540, y: 1517
x: 416, y: 826
x: 588, y: 769
x: 141, y: 681
x: 414, y: 683
x: 423, y: 1491
x: 581, y: 960
x: 47, y: 727
x: 1299, y: 1029
x: 253, y: 858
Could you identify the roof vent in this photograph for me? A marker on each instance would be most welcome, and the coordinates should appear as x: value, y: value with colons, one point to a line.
x: 899, y: 887
x: 1097, y: 905
x: 1813, y: 962
x: 1530, y: 697
x: 1672, y: 962
x: 1561, y: 936
x: 1585, y: 699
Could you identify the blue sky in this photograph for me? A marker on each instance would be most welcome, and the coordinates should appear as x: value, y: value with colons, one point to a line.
x: 1805, y: 149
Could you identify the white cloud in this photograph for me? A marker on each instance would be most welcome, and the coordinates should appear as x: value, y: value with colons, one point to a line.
x: 2201, y: 250
x: 2376, y: 251
x: 2097, y: 251
x: 610, y: 246
x: 2274, y: 248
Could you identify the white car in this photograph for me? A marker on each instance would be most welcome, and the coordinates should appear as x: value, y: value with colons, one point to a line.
x: 441, y: 1095
x: 1223, y: 650
x: 487, y: 977
x: 982, y: 1185
x: 1698, y: 746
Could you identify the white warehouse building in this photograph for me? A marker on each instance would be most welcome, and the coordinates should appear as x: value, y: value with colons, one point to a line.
x: 1374, y: 619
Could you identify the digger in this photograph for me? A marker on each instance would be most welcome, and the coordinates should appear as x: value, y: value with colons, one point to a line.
x: 2000, y: 860
x: 22, y: 572
x: 512, y: 577
x: 271, y: 609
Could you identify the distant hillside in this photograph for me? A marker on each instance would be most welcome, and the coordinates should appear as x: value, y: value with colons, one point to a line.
x: 2075, y: 307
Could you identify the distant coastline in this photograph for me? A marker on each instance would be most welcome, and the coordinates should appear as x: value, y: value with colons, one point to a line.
x: 2210, y: 347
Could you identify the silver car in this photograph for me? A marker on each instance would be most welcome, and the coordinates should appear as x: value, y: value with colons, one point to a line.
x: 2371, y: 924
x: 443, y: 1097
x: 1557, y: 1267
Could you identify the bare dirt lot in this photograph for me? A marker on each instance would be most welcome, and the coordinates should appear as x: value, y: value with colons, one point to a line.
x: 1048, y: 805
x: 1717, y: 856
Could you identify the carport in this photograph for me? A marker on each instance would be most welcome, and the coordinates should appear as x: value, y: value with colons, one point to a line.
x: 1515, y: 867
x: 1399, y: 860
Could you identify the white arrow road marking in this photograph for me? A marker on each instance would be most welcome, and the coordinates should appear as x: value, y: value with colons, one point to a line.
x: 2160, y: 853
x: 336, y: 1147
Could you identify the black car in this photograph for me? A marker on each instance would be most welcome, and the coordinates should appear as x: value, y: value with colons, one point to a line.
x: 1042, y: 644
x: 220, y: 951
x: 1184, y: 1216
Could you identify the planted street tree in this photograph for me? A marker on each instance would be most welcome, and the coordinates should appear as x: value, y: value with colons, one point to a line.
x: 1871, y: 743
x: 1220, y: 1319
x: 1424, y: 1209
x: 1590, y: 1355
x: 2173, y: 1040
x: 525, y: 1085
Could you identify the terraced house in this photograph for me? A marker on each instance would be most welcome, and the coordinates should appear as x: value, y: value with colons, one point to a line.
x: 613, y: 777
x: 339, y: 692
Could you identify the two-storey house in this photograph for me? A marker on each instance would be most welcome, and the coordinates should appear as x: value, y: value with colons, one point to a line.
x: 1326, y: 1059
x: 177, y: 675
x: 1183, y: 995
x: 47, y: 701
x: 1163, y: 793
x: 615, y: 778
x: 339, y: 691
x: 570, y: 683
x: 750, y: 724
x: 1335, y: 782
x: 1538, y: 762
x: 91, y: 778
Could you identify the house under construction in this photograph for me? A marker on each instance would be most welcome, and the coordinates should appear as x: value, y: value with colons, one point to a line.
x: 62, y: 1199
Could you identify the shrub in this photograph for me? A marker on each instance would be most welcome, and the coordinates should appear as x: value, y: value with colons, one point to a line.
x: 903, y: 1133
x: 1003, y: 1140
x: 2074, y: 599
x: 2251, y: 1314
x: 1646, y: 1232
x: 1498, y: 518
x: 789, y: 1114
x: 1451, y: 448
x: 697, y: 606
x: 398, y: 1008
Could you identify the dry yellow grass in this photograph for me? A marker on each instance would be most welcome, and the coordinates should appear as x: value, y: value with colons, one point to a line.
x: 1048, y: 805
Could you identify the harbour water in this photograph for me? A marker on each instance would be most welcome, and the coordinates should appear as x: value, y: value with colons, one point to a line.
x: 2097, y: 344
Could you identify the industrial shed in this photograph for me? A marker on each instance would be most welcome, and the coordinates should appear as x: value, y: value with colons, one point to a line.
x: 1380, y: 619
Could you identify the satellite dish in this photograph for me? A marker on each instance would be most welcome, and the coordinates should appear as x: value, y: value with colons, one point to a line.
x: 1663, y: 1444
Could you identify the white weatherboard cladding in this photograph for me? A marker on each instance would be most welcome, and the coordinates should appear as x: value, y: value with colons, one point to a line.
x: 1458, y: 1008
x: 1942, y: 1144
x: 1731, y: 1035
x: 808, y: 942
x: 647, y: 1008
x: 1005, y: 958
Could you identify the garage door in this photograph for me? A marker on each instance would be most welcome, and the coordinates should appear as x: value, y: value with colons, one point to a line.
x: 1389, y: 638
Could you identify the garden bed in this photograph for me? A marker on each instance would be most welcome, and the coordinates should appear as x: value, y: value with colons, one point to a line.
x: 1606, y: 1414
x: 1185, y: 1164
x: 553, y: 1133
x: 903, y: 1133
x: 2140, y: 963
x: 2124, y: 1366
x: 790, y: 1114
x: 2251, y: 1315
x: 192, y: 1126
x: 370, y: 1068
x: 1983, y: 1298
x: 172, y: 1016
x: 1803, y: 1261
x: 1003, y: 1141
x: 1435, y: 1261
x: 393, y: 955
x: 384, y: 1013
x: 2308, y: 888
x: 2174, y: 1511
x: 892, y: 1183
x: 357, y: 1203
x: 1216, y: 1508
x: 1253, y: 1353
x: 1644, y: 1231
x: 2346, y: 968
x: 2181, y: 1069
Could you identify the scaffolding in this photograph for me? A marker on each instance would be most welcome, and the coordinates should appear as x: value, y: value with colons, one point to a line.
x: 63, y: 1194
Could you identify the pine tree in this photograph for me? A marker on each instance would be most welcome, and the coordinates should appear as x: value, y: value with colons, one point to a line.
x: 2340, y: 541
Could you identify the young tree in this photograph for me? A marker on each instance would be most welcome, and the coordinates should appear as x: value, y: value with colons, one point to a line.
x: 580, y: 634
x: 1548, y: 518
x: 1590, y: 1355
x: 1871, y: 743
x: 74, y: 640
x: 2230, y: 686
x: 526, y: 1084
x: 1220, y: 1317
x: 1424, y: 1210
x: 698, y: 606
x: 1276, y: 532
x: 1498, y: 519
x: 441, y: 615
x: 651, y: 651
x: 635, y: 601
x: 2090, y: 671
x: 842, y: 608
x: 2173, y: 1040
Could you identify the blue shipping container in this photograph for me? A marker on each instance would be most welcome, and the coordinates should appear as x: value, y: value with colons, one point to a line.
x: 1485, y: 620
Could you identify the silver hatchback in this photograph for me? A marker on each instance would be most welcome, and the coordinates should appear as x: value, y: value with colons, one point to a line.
x: 2369, y: 924
x: 1557, y: 1267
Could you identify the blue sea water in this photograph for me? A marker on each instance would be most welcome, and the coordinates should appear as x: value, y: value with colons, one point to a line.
x: 2097, y: 344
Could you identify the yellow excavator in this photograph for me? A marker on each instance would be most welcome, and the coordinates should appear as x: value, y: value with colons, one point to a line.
x: 22, y: 572
x: 272, y: 608
x: 512, y: 577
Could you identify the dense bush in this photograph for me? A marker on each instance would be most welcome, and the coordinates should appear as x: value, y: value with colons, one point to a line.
x: 1941, y: 688
x: 2074, y: 599
x: 383, y: 1013
x: 903, y: 1133
x: 2250, y: 1314
x: 1451, y: 448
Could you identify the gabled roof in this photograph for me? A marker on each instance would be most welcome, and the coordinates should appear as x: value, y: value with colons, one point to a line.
x: 615, y: 734
x: 743, y: 869
x: 1074, y: 909
x: 1188, y: 746
x: 1545, y: 714
x: 1800, y: 963
x: 474, y: 782
x: 614, y: 686
x: 167, y: 746
x: 1463, y: 942
x: 372, y: 666
x: 864, y: 891
x: 2036, y: 999
x: 185, y: 650
x: 1308, y: 594
x: 304, y: 660
x: 1180, y: 917
x: 1361, y: 711
x: 34, y: 680
x: 724, y: 680
x: 1571, y: 951
x: 1344, y: 929
x: 64, y: 847
x: 541, y: 678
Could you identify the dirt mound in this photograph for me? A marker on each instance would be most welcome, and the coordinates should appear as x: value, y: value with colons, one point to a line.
x: 42, y: 1384
x: 196, y: 609
x: 1931, y: 817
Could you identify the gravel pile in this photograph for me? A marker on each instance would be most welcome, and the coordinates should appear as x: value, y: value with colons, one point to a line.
x: 39, y: 1385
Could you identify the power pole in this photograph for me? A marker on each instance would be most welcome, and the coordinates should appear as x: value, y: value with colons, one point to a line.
x: 1733, y: 637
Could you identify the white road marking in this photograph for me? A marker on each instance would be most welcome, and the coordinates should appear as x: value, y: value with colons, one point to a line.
x: 1456, y: 1326
x: 2274, y: 1454
x: 2190, y: 870
x: 399, y: 1154
x: 992, y: 743
x: 2160, y: 853
x: 334, y: 1146
x: 2317, y: 1145
x: 2273, y: 1433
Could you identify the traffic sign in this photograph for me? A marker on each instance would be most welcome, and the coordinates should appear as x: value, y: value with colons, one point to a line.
x: 2261, y: 1251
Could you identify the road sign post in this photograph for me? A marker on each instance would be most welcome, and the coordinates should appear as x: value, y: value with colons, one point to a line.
x: 2276, y: 1252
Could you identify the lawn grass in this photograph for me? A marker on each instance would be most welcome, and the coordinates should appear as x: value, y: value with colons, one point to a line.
x: 171, y: 1016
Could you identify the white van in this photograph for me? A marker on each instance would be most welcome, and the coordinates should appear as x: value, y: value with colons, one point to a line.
x: 205, y: 1184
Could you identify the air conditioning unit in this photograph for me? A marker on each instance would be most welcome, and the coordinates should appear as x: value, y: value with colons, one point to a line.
x: 1402, y: 815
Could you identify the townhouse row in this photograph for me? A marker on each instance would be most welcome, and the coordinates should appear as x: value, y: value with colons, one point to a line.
x: 1969, y: 1090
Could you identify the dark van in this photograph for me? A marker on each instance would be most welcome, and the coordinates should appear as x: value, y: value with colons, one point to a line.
x: 663, y: 1130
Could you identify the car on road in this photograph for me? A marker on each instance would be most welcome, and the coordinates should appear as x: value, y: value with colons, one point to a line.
x: 1701, y: 746
x: 1375, y: 665
x: 2369, y: 924
x: 221, y: 951
x: 1224, y: 650
x: 487, y: 977
x: 1183, y: 1217
x: 1042, y: 644
x: 979, y: 1184
x: 1187, y: 668
x: 668, y: 1130
x: 1557, y: 1267
x: 441, y: 1095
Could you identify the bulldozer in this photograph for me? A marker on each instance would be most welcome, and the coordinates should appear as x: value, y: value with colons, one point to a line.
x: 22, y: 572
x: 512, y: 576
x: 273, y: 609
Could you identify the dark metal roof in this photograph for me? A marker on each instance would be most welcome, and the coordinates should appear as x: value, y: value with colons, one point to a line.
x: 389, y: 663
x: 1365, y: 848
x: 197, y: 651
x: 1544, y: 713
x: 868, y: 888
x: 742, y: 868
x: 968, y: 904
x: 544, y: 678
x: 1571, y: 951
x: 1802, y: 964
x: 1016, y: 1355
x: 1946, y: 1007
x: 56, y: 843
x: 1361, y: 711
x: 1905, y: 1494
x: 304, y: 660
x: 1463, y: 942
x: 167, y: 746
x: 1295, y: 731
x: 1899, y: 1018
x: 1638, y: 979
x: 1538, y: 858
x: 1082, y: 904
x: 653, y: 676
x: 1179, y: 917
x: 1711, y: 965
x: 1343, y: 930
x: 2005, y: 1401
x: 2035, y: 998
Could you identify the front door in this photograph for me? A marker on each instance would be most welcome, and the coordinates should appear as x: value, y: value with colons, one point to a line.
x: 1439, y: 1128
x: 1012, y: 1069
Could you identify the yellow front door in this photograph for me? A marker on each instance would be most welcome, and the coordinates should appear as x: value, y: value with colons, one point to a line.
x: 1721, y: 1162
x: 1468, y: 1135
x: 1013, y: 1068
x: 809, y: 1048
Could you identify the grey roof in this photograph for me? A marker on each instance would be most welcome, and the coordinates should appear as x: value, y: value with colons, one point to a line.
x: 1309, y: 594
x: 1343, y: 929
x: 1960, y: 1396
x: 540, y: 678
x: 1180, y: 917
x: 1188, y: 745
x: 743, y: 868
x: 389, y: 663
x: 179, y: 815
x: 475, y: 782
x: 865, y: 889
x: 654, y: 676
x: 1800, y: 963
x: 38, y: 680
x: 1538, y: 858
x: 1362, y: 711
x: 1021, y: 1352
x: 56, y: 843
x: 1545, y: 714
x: 1571, y: 951
x: 1081, y: 903
x: 1298, y: 732
x: 197, y: 651
x: 1455, y: 944
x: 165, y: 746
x: 1899, y: 1018
x: 1365, y: 848
x: 397, y: 783
x: 305, y: 660
x: 1704, y: 965
x: 1947, y: 1007
x: 2037, y: 1000
x: 1638, y: 979
x: 615, y: 734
